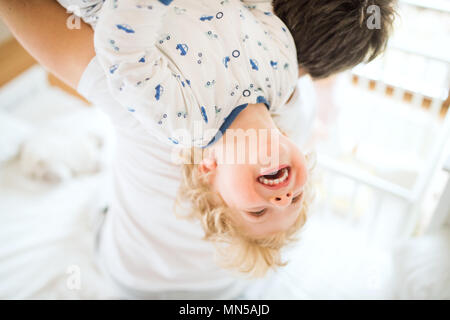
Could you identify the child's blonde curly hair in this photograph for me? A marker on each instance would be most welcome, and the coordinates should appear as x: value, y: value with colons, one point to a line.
x: 237, y: 250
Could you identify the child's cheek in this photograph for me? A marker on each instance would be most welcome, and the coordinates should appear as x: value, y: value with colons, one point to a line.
x: 235, y: 186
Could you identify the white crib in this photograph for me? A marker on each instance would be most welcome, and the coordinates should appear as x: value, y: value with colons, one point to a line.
x: 388, y: 205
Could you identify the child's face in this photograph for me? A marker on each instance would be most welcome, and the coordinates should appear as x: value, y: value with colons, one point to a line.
x: 265, y: 199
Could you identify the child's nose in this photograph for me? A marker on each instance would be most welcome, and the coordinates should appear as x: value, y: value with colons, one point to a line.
x: 282, y: 200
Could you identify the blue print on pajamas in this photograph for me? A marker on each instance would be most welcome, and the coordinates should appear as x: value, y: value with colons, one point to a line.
x: 254, y: 64
x: 164, y: 38
x: 125, y: 28
x: 113, y: 68
x: 113, y: 45
x: 274, y: 64
x: 179, y: 11
x: 225, y: 61
x: 139, y: 6
x: 159, y: 91
x: 165, y: 2
x: 206, y: 18
x: 205, y: 117
x: 183, y: 48
x: 182, y: 115
x: 211, y: 35
x: 210, y: 84
x: 164, y: 116
x: 142, y: 60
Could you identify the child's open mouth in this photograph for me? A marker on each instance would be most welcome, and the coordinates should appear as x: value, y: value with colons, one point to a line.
x: 277, y: 178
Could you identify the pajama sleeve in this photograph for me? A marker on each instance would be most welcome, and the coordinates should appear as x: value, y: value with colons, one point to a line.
x: 86, y: 9
x: 141, y: 77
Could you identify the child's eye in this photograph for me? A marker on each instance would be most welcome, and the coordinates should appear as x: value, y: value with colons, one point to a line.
x: 258, y: 213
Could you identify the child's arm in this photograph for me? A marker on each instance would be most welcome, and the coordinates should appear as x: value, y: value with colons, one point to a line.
x: 40, y: 26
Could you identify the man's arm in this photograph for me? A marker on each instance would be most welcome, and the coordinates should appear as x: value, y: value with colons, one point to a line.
x: 40, y: 26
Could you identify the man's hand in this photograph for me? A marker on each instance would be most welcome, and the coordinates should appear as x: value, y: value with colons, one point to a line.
x: 40, y: 26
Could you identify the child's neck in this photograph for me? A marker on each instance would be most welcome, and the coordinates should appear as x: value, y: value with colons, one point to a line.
x: 251, y: 121
x: 254, y: 116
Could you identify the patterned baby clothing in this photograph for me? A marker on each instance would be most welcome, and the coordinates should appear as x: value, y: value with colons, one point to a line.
x: 186, y: 68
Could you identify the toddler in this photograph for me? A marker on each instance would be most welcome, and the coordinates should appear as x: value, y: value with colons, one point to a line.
x: 219, y: 77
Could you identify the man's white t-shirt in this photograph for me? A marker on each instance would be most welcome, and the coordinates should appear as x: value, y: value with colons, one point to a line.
x: 142, y: 245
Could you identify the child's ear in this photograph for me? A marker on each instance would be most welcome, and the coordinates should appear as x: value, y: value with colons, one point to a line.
x: 207, y: 165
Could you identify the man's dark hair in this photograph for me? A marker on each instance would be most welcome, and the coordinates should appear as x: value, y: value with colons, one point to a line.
x: 333, y: 35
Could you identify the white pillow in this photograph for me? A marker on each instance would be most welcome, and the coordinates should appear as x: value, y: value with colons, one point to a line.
x: 13, y: 133
x: 55, y: 155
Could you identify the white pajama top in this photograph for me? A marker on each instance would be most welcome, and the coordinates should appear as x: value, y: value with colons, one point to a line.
x: 186, y: 68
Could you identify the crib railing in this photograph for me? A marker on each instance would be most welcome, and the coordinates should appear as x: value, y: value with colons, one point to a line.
x: 388, y: 200
x: 441, y: 214
x: 365, y: 202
